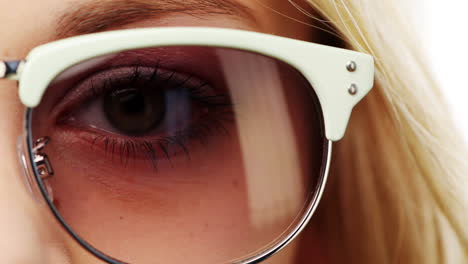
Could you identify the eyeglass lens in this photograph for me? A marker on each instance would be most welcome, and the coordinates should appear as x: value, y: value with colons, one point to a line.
x: 175, y: 153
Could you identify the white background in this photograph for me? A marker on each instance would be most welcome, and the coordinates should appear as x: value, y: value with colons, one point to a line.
x: 444, y: 27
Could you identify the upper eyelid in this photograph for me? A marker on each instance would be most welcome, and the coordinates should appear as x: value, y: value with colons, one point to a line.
x: 95, y: 84
x: 185, y: 61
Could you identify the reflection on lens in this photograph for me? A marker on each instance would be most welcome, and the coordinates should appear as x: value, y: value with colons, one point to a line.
x: 175, y: 153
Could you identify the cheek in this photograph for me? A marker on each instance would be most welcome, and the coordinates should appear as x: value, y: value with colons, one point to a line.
x: 29, y: 234
x: 193, y: 202
x: 185, y: 207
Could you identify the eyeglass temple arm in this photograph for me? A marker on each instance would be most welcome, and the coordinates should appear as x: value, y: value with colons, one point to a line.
x: 10, y: 69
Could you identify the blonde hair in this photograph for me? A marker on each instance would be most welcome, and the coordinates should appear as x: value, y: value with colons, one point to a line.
x: 396, y: 185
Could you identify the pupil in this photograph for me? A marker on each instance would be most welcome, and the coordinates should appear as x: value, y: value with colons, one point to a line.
x: 132, y: 103
x: 134, y: 111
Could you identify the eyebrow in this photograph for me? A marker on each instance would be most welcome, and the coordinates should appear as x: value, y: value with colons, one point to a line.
x: 97, y: 16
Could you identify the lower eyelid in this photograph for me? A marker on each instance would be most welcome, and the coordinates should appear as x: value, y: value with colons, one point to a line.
x: 118, y: 150
x: 151, y: 150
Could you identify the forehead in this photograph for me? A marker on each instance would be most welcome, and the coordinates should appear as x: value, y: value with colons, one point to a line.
x: 25, y: 24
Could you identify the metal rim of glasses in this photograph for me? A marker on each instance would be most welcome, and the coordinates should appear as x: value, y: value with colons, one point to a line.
x: 259, y: 257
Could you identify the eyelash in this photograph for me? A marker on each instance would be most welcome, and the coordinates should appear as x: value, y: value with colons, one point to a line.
x: 129, y: 148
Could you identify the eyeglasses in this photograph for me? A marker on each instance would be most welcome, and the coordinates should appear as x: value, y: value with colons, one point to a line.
x: 184, y: 144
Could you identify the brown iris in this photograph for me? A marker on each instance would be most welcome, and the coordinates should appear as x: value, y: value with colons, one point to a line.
x: 135, y: 111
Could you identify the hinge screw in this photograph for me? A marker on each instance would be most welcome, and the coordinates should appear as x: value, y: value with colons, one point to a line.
x: 351, y: 66
x: 353, y: 89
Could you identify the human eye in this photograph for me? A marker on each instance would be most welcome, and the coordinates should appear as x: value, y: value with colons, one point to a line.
x: 136, y: 113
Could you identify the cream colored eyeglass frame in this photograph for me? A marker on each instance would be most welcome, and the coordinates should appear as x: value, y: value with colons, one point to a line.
x: 340, y: 78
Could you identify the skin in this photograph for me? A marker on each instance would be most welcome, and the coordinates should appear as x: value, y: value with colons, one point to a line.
x: 30, y: 233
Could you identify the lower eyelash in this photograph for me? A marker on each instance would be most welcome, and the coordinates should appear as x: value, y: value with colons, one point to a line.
x: 155, y: 150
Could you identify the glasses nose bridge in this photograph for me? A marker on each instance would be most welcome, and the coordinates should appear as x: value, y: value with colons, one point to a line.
x: 10, y: 69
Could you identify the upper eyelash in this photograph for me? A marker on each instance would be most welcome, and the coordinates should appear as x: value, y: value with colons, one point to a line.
x: 217, y: 100
x: 135, y: 76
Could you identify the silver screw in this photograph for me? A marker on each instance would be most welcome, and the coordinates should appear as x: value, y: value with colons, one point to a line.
x: 353, y: 89
x: 351, y: 66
